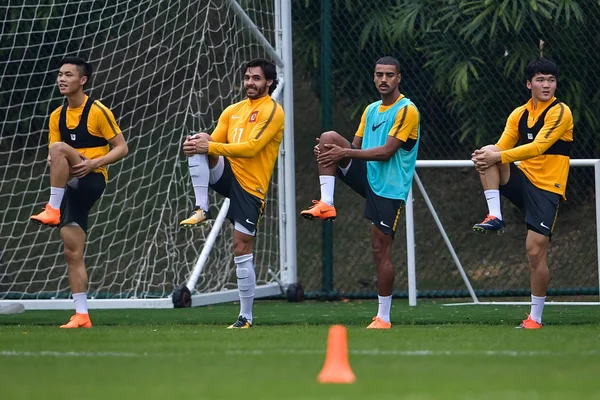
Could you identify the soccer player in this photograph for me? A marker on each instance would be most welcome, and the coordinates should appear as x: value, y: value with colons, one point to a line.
x: 84, y: 139
x: 379, y: 165
x: 237, y: 161
x: 544, y: 127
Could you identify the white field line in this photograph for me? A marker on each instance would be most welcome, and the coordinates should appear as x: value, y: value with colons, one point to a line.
x: 10, y: 353
x: 374, y: 352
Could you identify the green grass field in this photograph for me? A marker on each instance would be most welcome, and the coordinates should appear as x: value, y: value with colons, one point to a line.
x: 432, y: 352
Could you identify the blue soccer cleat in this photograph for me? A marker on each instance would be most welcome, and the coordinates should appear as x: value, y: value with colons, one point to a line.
x: 489, y: 224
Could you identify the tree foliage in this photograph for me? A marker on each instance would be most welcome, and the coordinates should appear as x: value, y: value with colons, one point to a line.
x: 463, y: 60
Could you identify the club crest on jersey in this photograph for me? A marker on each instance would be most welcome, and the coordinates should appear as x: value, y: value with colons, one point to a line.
x: 253, y: 116
x: 73, y: 136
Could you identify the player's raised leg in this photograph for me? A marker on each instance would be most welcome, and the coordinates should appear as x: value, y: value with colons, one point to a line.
x: 324, y: 208
x: 74, y: 242
x: 199, y: 173
x: 491, y: 179
x: 61, y: 158
x: 243, y: 243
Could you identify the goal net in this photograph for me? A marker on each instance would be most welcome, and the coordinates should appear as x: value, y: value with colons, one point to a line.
x: 165, y: 69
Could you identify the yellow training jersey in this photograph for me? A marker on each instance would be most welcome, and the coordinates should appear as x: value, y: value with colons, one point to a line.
x: 544, y: 154
x: 249, y: 134
x: 406, y: 124
x: 100, y: 123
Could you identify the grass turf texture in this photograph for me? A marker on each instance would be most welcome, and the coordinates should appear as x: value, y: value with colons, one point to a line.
x: 432, y: 352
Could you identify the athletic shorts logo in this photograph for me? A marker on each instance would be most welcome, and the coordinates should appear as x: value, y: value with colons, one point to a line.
x: 384, y: 224
x: 253, y: 116
x: 543, y: 225
x: 375, y: 127
x: 249, y: 222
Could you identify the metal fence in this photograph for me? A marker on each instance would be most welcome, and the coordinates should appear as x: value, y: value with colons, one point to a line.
x: 463, y: 66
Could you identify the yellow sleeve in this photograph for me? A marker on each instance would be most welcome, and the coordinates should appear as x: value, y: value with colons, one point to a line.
x: 53, y: 131
x: 219, y: 135
x: 106, y: 123
x: 557, y: 121
x: 361, y: 127
x: 510, y: 136
x: 406, y: 125
x: 267, y: 126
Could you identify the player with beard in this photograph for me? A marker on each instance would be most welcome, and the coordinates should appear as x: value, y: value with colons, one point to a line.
x: 379, y: 165
x: 237, y: 161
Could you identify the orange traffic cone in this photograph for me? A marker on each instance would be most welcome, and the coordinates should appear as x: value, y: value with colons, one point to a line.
x: 337, y: 368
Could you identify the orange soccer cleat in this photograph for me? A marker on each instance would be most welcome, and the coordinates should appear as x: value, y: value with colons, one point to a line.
x: 78, y: 321
x: 319, y: 210
x: 50, y: 216
x: 529, y: 323
x: 378, y: 323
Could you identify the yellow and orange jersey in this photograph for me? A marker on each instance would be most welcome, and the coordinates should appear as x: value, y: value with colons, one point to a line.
x: 101, y: 123
x: 544, y: 154
x: 249, y: 134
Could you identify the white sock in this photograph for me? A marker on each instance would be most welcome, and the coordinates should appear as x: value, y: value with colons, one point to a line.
x: 327, y: 188
x: 56, y: 197
x: 537, y: 308
x: 493, y: 202
x: 80, y: 302
x: 246, y: 278
x: 200, y: 174
x: 385, y: 305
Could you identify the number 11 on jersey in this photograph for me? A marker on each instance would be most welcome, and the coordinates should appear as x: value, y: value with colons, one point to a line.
x: 237, y: 132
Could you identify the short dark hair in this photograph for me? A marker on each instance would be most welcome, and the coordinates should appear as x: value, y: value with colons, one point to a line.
x: 541, y: 66
x: 268, y: 68
x: 84, y: 68
x: 387, y: 60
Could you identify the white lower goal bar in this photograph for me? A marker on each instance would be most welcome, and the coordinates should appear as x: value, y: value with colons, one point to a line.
x: 271, y: 289
x: 524, y: 303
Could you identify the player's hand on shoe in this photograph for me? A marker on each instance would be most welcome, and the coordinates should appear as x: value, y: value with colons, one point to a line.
x: 83, y: 168
x: 333, y: 153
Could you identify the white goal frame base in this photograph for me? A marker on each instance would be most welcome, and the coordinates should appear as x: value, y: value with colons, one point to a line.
x: 227, y: 296
x: 524, y: 303
x: 410, y: 235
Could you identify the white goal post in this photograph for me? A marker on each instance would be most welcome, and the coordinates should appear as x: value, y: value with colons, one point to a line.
x: 164, y: 69
x: 410, y: 232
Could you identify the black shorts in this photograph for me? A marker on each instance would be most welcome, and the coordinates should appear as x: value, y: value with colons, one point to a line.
x: 539, y: 206
x: 80, y: 196
x: 244, y: 208
x: 381, y: 211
